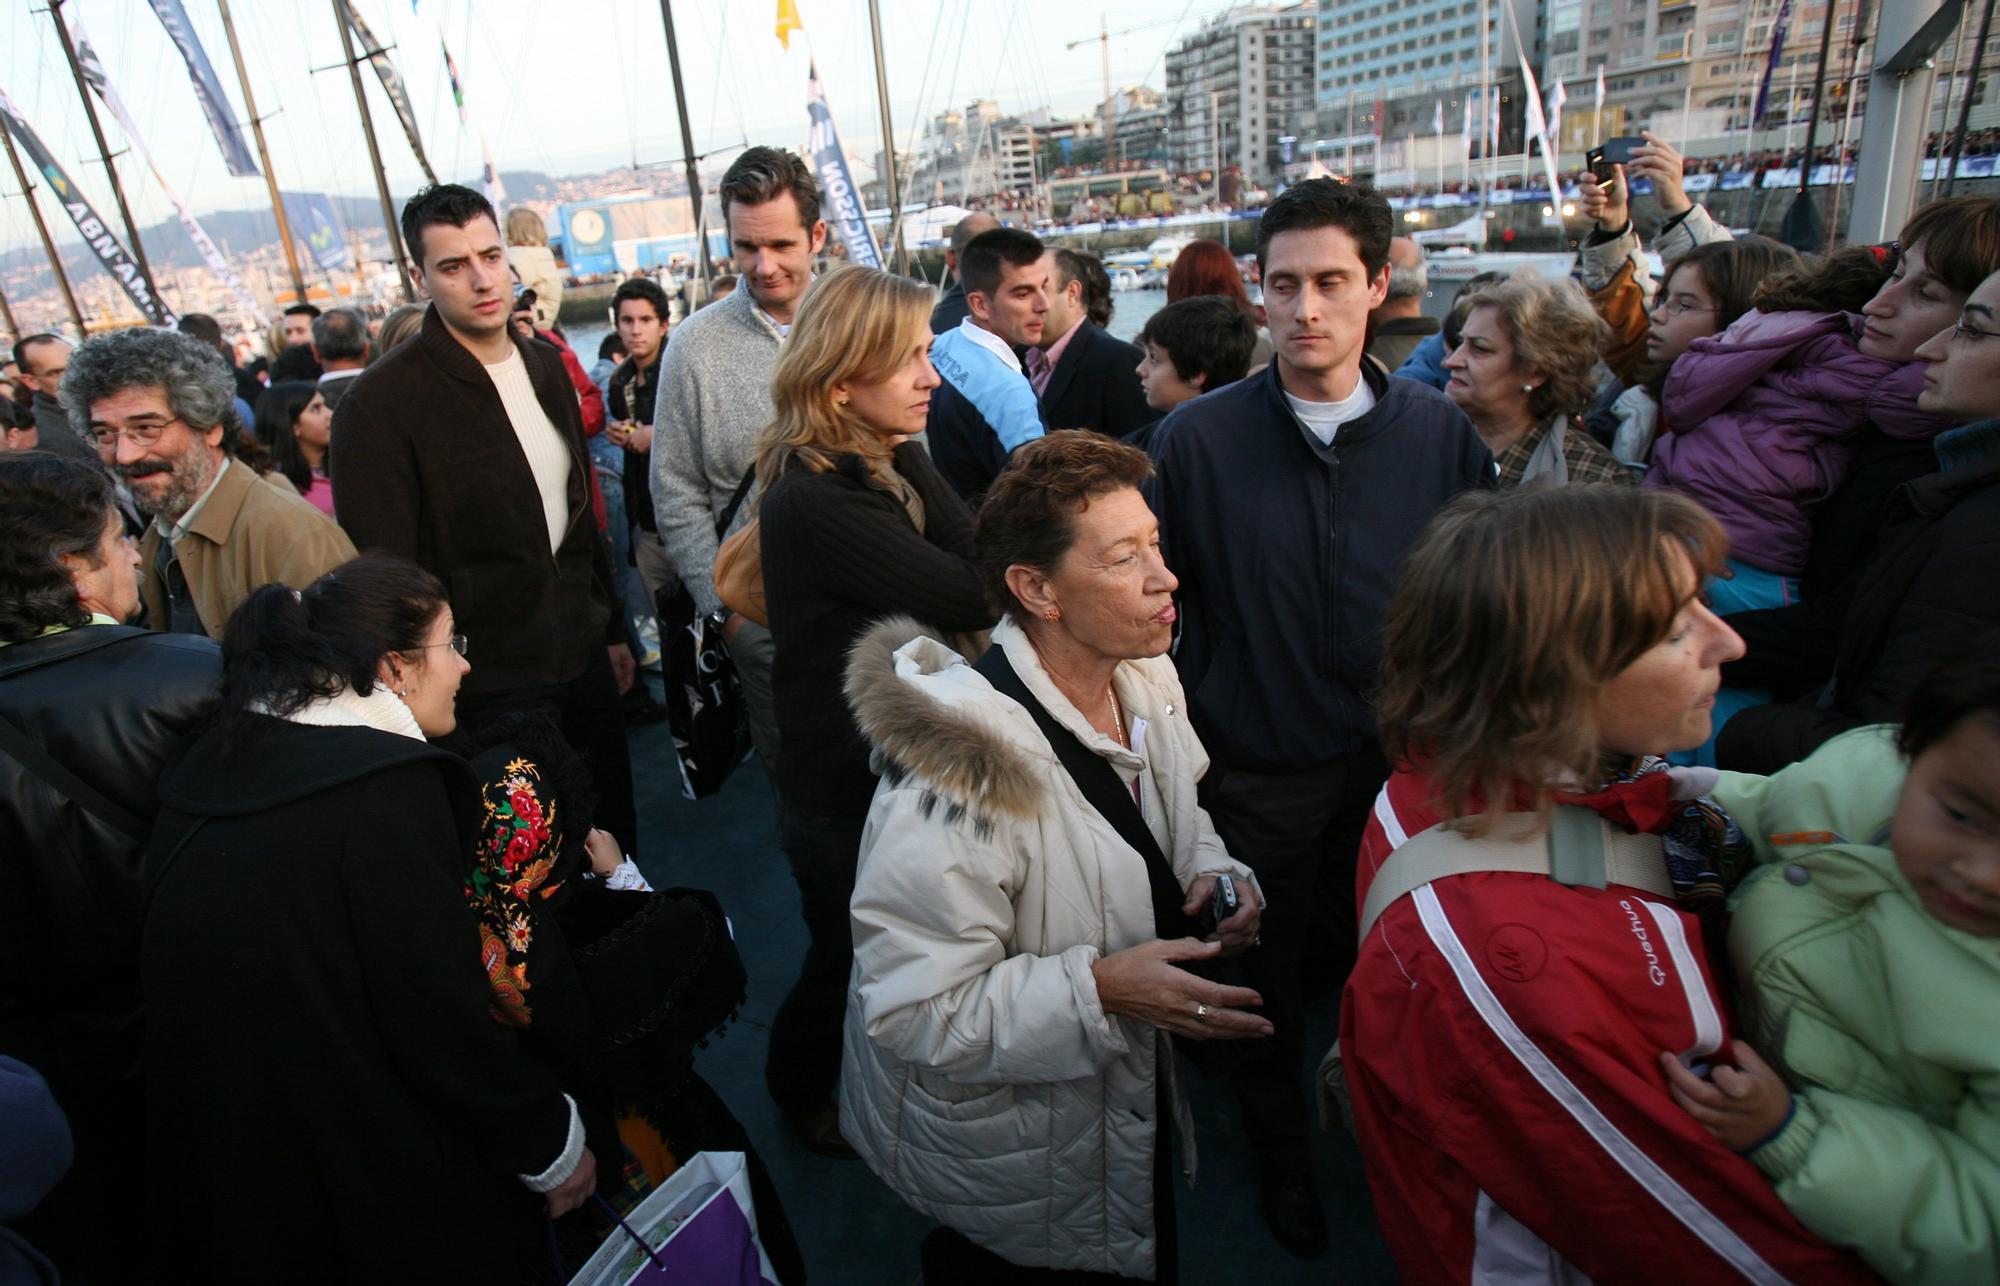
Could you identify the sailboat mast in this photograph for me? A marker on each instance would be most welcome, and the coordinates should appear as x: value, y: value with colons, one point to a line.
x: 7, y: 315
x: 396, y: 250
x: 97, y: 133
x: 42, y: 230
x: 901, y: 256
x: 264, y: 155
x: 687, y: 148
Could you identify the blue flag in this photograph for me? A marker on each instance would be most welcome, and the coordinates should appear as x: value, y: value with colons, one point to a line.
x: 207, y: 89
x: 312, y: 217
x: 1780, y: 26
x: 842, y: 202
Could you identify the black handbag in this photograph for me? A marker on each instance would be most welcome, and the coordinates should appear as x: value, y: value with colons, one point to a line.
x: 705, y: 705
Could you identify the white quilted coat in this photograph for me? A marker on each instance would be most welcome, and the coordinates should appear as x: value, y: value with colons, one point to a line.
x: 982, y: 1080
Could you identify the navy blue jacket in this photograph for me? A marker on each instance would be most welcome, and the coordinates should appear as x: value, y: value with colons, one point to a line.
x: 1288, y: 552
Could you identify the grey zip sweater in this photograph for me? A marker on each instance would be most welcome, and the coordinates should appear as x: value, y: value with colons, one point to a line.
x: 714, y: 399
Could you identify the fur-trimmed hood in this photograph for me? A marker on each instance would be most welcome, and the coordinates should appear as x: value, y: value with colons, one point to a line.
x: 928, y: 714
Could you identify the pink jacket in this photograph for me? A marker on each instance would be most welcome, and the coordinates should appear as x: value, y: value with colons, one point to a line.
x: 1763, y: 420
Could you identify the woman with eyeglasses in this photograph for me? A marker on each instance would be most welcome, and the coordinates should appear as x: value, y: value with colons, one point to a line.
x: 329, y: 1097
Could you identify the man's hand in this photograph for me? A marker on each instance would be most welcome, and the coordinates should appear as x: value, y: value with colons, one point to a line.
x: 1238, y: 931
x: 1741, y: 1106
x: 576, y: 1189
x: 624, y: 671
x: 1660, y: 162
x: 1610, y: 205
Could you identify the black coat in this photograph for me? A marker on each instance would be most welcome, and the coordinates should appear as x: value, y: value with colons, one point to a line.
x: 1926, y: 595
x: 839, y: 555
x: 113, y: 706
x: 1288, y: 553
x: 951, y: 309
x: 1096, y: 386
x: 327, y: 1089
x: 429, y: 469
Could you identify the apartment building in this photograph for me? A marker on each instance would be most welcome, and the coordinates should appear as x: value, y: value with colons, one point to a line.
x: 1238, y: 86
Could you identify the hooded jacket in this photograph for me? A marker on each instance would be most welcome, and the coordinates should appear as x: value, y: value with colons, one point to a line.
x: 1880, y: 1016
x: 1763, y: 421
x: 982, y: 1079
x: 323, y: 1069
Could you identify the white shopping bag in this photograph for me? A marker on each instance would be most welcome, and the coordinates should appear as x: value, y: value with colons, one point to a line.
x: 700, y: 1226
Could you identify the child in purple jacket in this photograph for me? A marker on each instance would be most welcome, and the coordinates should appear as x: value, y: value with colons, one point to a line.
x: 1762, y: 419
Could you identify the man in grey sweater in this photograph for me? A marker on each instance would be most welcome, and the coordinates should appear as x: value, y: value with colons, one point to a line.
x: 715, y: 395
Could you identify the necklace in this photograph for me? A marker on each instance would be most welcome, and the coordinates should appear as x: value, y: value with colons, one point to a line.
x: 1117, y: 717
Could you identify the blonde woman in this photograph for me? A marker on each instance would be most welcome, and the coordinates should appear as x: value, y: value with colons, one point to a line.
x: 401, y: 324
x: 1524, y: 370
x: 856, y: 525
x: 534, y: 263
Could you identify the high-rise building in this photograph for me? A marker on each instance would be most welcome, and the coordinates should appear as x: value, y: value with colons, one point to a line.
x: 1383, y: 49
x: 1237, y: 86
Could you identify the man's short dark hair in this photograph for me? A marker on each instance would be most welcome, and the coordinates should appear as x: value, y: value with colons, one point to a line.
x: 442, y: 203
x: 765, y: 173
x: 1358, y: 211
x: 202, y: 327
x: 26, y: 342
x: 609, y: 347
x: 295, y: 362
x: 302, y: 310
x: 340, y: 335
x: 642, y: 288
x: 1206, y: 335
x: 988, y: 255
x: 1081, y: 265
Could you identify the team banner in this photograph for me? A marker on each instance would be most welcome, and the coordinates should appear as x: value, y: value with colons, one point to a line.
x: 115, y: 259
x: 842, y: 200
x: 93, y: 72
x: 207, y: 89
x: 392, y: 83
x: 312, y: 217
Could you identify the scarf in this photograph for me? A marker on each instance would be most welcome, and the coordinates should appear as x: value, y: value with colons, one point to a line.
x: 1706, y: 850
x: 513, y: 862
x: 380, y: 709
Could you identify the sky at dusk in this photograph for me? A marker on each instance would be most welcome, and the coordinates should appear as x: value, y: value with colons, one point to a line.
x: 560, y: 86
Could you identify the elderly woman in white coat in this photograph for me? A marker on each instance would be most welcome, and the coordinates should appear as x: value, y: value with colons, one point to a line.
x: 1034, y: 875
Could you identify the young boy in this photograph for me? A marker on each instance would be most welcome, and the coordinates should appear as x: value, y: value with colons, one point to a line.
x: 1194, y: 347
x: 1869, y: 949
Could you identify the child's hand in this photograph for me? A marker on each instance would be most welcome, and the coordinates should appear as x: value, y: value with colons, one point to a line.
x: 1741, y: 1106
x: 605, y: 855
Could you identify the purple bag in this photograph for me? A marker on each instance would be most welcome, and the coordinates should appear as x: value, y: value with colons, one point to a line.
x: 698, y: 1226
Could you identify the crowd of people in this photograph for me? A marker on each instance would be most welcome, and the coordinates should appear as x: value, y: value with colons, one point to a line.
x: 1588, y: 697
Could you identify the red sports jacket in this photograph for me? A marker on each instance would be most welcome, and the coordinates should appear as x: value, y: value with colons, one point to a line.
x: 1499, y: 1034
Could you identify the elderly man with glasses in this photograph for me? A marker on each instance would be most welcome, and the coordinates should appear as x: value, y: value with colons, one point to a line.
x: 157, y: 406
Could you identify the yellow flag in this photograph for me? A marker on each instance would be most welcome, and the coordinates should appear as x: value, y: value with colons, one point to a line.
x: 788, y: 22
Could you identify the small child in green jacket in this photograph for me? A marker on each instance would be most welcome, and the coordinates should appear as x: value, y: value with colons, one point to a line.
x: 1868, y: 945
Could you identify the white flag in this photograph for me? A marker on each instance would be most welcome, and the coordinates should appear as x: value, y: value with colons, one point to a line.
x: 1600, y: 98
x: 1557, y: 97
x: 1538, y: 126
x: 1467, y: 131
x: 1437, y: 118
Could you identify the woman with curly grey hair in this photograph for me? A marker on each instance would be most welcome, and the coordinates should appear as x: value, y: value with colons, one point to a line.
x: 1524, y: 369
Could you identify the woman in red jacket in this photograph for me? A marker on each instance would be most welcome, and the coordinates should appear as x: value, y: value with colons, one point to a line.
x: 1500, y: 1030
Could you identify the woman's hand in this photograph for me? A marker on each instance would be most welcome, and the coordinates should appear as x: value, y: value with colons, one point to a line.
x: 1742, y: 1106
x: 1611, y: 204
x: 605, y: 855
x: 576, y: 1189
x: 1141, y: 982
x: 1660, y: 162
x: 1239, y: 930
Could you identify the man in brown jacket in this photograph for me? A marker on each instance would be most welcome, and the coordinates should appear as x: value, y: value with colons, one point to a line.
x: 462, y: 450
x: 157, y: 403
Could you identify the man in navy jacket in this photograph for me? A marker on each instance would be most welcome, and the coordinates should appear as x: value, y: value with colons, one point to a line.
x: 1286, y: 503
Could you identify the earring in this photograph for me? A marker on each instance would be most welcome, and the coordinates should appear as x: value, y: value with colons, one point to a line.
x: 1053, y: 614
x: 402, y: 692
x: 1527, y: 388
x: 841, y: 402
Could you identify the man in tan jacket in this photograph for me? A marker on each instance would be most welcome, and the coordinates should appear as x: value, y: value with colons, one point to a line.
x: 158, y: 403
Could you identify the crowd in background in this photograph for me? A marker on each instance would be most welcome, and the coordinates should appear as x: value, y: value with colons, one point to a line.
x: 1592, y: 696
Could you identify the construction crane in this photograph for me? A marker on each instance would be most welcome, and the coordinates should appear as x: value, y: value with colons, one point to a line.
x: 1103, y: 39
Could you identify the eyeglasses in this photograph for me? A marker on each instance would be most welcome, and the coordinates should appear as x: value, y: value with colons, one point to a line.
x: 1971, y: 334
x: 139, y: 435
x: 457, y: 643
x: 1680, y: 304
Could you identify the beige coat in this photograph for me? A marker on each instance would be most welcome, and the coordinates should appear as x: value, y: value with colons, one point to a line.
x: 982, y: 1080
x: 251, y: 533
x: 536, y: 267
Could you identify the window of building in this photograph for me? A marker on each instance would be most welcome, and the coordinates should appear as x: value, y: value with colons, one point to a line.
x: 1635, y: 30
x: 1631, y: 55
x: 1674, y: 46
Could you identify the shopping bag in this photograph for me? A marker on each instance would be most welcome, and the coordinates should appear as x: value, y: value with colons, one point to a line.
x: 700, y: 1226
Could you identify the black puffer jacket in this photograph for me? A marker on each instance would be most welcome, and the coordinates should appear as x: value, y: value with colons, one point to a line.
x: 113, y: 706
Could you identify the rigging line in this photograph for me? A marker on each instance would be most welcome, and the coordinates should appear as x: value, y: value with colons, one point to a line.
x: 624, y: 53
x: 924, y: 82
